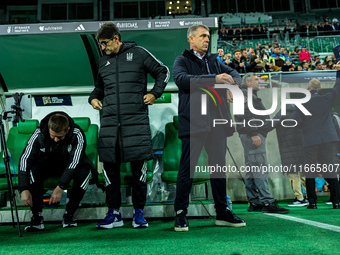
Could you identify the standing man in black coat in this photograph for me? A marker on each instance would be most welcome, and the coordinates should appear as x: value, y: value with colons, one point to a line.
x: 191, y: 70
x: 319, y: 139
x: 291, y: 152
x: 125, y: 134
x: 55, y: 149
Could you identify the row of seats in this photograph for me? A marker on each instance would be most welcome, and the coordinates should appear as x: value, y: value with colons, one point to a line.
x: 18, y: 137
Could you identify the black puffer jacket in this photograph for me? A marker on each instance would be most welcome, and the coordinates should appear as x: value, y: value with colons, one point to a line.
x: 190, y: 75
x: 290, y: 140
x: 252, y: 130
x: 122, y: 84
x: 68, y: 153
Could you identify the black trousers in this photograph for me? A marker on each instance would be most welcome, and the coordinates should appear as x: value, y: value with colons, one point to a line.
x: 322, y: 154
x: 215, y: 147
x: 112, y: 183
x: 40, y: 172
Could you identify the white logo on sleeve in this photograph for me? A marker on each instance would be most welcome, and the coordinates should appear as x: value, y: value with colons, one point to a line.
x: 107, y: 63
x: 129, y: 56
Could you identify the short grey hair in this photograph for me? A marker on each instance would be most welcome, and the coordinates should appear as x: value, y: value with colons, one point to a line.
x: 247, y: 77
x: 193, y: 29
x: 314, y: 84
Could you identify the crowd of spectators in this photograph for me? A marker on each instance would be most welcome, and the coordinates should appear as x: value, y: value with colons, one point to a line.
x: 329, y: 27
x: 272, y: 58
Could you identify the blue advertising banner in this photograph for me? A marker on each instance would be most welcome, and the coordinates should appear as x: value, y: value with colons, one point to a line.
x: 53, y: 100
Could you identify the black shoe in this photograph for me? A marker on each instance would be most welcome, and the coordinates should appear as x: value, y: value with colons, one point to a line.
x: 254, y: 207
x: 181, y: 221
x: 36, y: 224
x: 229, y: 219
x: 274, y: 208
x: 312, y: 206
x: 336, y: 206
x: 68, y: 221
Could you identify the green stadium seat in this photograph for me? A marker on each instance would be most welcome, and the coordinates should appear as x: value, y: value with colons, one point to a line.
x: 172, y: 154
x: 16, y: 142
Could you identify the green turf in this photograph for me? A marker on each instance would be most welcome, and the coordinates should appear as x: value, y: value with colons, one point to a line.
x: 263, y: 235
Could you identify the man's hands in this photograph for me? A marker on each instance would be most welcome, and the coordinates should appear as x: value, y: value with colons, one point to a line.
x: 56, y: 195
x: 256, y: 141
x: 224, y: 78
x: 26, y: 198
x: 96, y: 104
x: 149, y: 99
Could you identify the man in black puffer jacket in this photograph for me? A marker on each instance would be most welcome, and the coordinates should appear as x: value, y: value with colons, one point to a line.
x: 55, y: 149
x: 125, y: 134
x: 291, y: 152
x: 193, y: 70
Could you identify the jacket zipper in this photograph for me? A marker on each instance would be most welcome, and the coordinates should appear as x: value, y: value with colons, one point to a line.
x: 118, y: 113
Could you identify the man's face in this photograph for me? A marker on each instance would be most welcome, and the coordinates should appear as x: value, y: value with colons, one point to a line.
x: 58, y: 137
x: 228, y: 56
x: 200, y: 41
x: 220, y: 52
x: 318, y: 66
x: 237, y: 55
x: 244, y: 54
x: 110, y: 46
x: 253, y: 83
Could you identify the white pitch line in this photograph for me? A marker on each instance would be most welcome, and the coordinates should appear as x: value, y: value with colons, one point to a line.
x: 308, y: 222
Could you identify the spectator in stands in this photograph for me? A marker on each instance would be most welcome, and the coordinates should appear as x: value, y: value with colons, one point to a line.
x: 230, y: 33
x: 275, y: 57
x: 291, y: 152
x: 304, y: 54
x: 198, y: 63
x: 319, y: 137
x: 312, y: 30
x: 233, y: 45
x: 56, y: 149
x: 326, y: 60
x: 267, y: 50
x: 227, y: 58
x: 264, y: 31
x: 241, y: 65
x: 125, y: 131
x: 298, y: 68
x: 320, y: 184
x: 303, y: 29
x: 316, y: 58
x: 318, y: 66
x: 327, y: 29
x: 260, y: 65
x: 335, y: 27
x: 223, y: 36
x: 254, y: 144
x: 220, y: 56
x: 335, y: 20
x: 320, y: 29
x: 305, y: 66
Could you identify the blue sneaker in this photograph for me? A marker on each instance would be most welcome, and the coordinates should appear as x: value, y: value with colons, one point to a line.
x: 138, y: 219
x: 113, y: 219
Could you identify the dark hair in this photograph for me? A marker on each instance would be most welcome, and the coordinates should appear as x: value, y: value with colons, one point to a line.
x: 317, y: 63
x: 58, y: 123
x: 107, y: 31
x: 237, y: 50
x: 243, y: 49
